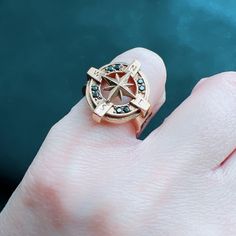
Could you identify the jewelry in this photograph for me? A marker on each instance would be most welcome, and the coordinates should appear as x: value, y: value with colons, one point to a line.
x: 118, y: 92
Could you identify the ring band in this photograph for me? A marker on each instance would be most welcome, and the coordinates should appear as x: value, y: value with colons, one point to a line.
x: 118, y: 92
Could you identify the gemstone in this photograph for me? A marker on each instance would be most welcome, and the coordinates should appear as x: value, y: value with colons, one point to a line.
x: 116, y: 66
x: 94, y: 87
x: 95, y: 94
x: 140, y: 81
x: 126, y: 109
x: 141, y: 87
x: 118, y: 110
x: 110, y: 68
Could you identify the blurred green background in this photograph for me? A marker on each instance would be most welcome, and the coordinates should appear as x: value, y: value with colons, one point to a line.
x: 47, y: 46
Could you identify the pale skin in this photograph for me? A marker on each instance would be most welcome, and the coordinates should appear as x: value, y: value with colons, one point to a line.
x: 98, y: 179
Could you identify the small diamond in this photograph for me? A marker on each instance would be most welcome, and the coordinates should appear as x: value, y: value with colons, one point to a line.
x: 116, y: 66
x: 140, y: 81
x: 94, y: 87
x: 118, y: 110
x: 126, y: 109
x: 141, y: 87
x: 110, y: 68
x: 95, y: 94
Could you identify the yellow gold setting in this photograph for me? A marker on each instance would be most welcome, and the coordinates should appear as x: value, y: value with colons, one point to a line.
x: 118, y: 92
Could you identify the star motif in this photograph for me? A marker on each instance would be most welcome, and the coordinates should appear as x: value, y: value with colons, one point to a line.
x: 118, y: 86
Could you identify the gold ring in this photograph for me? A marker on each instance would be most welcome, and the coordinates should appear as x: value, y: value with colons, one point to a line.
x: 118, y: 92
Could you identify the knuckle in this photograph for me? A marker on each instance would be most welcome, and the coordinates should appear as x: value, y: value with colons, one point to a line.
x: 224, y: 80
x: 228, y: 74
x: 43, y: 197
x: 229, y: 78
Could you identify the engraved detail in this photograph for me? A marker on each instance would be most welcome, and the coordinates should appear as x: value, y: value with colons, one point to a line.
x: 95, y: 74
x: 118, y: 86
x: 118, y: 82
x: 142, y: 104
x: 134, y: 67
x: 101, y: 110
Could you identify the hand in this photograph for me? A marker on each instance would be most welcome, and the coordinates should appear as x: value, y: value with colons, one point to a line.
x: 90, y: 179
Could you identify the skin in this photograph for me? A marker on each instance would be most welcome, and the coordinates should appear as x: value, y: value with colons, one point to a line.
x: 90, y: 179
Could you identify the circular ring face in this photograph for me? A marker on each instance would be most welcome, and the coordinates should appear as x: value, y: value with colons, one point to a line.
x: 117, y: 92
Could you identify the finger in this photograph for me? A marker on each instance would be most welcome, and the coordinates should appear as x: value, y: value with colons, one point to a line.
x: 202, y: 129
x: 227, y: 168
x: 155, y: 72
x: 79, y: 123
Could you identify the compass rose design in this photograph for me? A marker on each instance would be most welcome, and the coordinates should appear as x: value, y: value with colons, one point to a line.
x: 118, y: 80
x: 119, y: 86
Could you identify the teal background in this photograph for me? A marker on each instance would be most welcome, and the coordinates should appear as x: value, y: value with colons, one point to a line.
x: 47, y: 46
